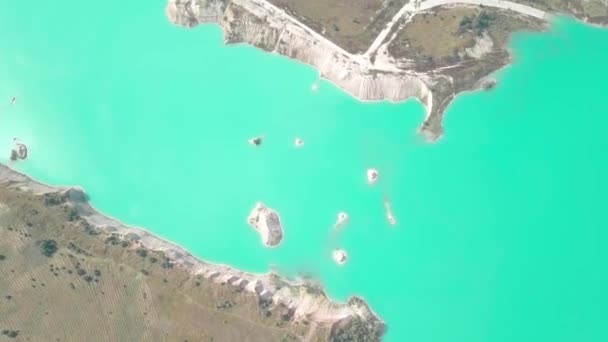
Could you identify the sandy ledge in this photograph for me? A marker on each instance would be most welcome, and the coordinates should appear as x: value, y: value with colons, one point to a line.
x: 307, y: 299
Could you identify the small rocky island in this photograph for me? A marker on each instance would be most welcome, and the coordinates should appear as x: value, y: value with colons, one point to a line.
x: 339, y: 256
x: 341, y: 219
x: 298, y: 142
x: 372, y: 176
x: 19, y: 152
x: 268, y: 223
x: 257, y: 141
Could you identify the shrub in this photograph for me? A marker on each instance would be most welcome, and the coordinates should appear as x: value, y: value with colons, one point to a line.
x: 479, y: 24
x: 466, y: 24
x: 89, y: 229
x: 358, y: 330
x: 167, y: 263
x: 48, y: 247
x: 112, y: 240
x: 10, y: 333
x: 54, y: 199
x: 483, y: 22
x: 72, y: 214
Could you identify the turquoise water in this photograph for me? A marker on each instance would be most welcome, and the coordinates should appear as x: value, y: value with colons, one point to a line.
x: 501, y: 233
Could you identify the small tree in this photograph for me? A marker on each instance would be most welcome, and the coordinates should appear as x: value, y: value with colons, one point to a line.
x: 72, y: 214
x: 48, y: 247
x: 10, y: 333
x: 466, y: 23
x: 483, y: 22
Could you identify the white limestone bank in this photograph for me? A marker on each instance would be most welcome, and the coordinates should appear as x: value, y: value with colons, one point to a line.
x: 267, y: 222
x: 262, y: 25
x: 306, y: 300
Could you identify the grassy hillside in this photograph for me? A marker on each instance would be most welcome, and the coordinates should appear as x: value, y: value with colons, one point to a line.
x: 61, y: 280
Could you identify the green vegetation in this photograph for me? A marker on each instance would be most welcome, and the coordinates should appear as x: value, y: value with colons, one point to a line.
x: 112, y: 240
x: 434, y: 39
x: 167, y: 263
x: 54, y: 199
x: 48, y: 247
x: 10, y: 333
x: 357, y: 330
x: 478, y: 24
x: 290, y: 338
x: 88, y: 228
x: 72, y: 214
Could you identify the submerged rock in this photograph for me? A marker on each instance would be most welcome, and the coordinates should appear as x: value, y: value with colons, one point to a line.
x: 299, y: 142
x: 268, y: 223
x: 487, y: 84
x: 257, y: 141
x: 389, y: 212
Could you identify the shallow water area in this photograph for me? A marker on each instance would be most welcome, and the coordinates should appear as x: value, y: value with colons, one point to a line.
x: 499, y: 234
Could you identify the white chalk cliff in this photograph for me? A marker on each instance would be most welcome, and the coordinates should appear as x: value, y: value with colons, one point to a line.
x: 264, y: 26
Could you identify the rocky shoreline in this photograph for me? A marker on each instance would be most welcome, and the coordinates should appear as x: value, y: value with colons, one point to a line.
x: 305, y: 300
x: 375, y: 75
x: 260, y: 24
